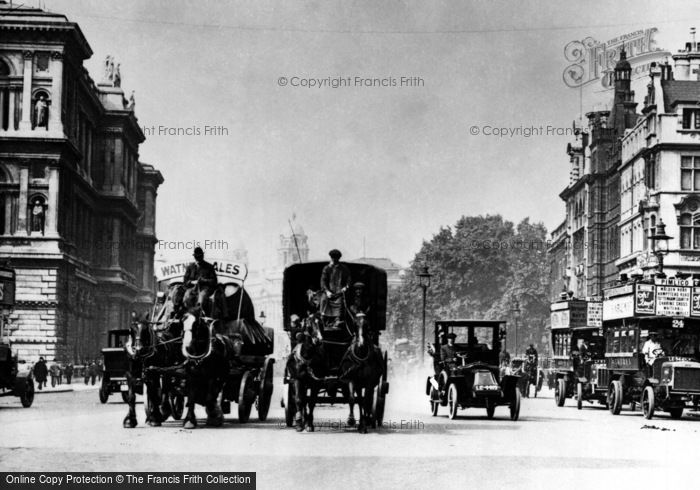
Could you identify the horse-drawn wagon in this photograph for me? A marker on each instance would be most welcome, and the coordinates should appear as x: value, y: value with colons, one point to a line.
x: 335, y: 359
x: 212, y: 360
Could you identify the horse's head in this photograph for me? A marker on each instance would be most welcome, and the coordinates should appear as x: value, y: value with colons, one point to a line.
x: 362, y: 331
x: 142, y: 339
x: 314, y: 299
x: 197, y: 336
x: 312, y: 328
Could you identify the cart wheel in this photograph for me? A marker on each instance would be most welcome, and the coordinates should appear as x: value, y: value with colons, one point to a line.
x: 452, y: 401
x: 378, y: 402
x: 125, y: 396
x: 648, y: 402
x: 434, y: 401
x: 560, y: 392
x: 676, y: 413
x: 490, y: 407
x: 27, y: 396
x: 265, y: 390
x: 615, y: 397
x: 289, y: 405
x: 177, y: 403
x: 579, y: 395
x: 246, y: 397
x: 515, y: 407
x: 104, y: 391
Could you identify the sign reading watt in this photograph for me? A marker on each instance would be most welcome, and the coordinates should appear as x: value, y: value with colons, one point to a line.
x: 226, y: 271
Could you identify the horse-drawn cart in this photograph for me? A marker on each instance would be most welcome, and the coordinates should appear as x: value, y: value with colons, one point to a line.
x: 334, y: 359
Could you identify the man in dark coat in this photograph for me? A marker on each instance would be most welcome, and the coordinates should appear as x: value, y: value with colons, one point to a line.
x: 69, y: 373
x: 448, y: 352
x: 40, y: 372
x: 335, y: 280
x: 200, y: 279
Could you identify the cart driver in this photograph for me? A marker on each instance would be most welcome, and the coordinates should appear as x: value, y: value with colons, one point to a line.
x: 652, y: 349
x: 200, y: 280
x: 335, y: 280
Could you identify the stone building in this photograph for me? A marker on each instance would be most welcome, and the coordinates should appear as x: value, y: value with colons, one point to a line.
x: 77, y: 207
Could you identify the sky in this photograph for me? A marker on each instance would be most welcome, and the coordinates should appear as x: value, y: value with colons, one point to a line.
x: 370, y: 170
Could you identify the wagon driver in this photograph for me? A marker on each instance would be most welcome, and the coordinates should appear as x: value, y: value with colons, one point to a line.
x: 200, y: 280
x: 335, y: 280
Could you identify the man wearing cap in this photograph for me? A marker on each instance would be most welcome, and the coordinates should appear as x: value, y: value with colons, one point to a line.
x: 200, y: 274
x: 335, y: 280
x: 652, y: 349
x: 448, y: 352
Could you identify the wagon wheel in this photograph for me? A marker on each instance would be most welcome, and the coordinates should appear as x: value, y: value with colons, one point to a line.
x: 515, y: 407
x: 452, y: 401
x: 104, y: 390
x: 648, y: 402
x: 265, y: 390
x: 560, y: 392
x: 289, y: 405
x: 579, y: 395
x: 177, y: 404
x: 615, y: 397
x: 27, y: 396
x: 378, y: 402
x: 246, y: 397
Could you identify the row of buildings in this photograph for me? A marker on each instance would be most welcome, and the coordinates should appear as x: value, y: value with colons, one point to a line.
x: 77, y: 206
x: 633, y: 168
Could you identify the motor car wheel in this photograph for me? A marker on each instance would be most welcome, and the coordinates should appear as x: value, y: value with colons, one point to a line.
x: 579, y: 395
x: 515, y: 407
x: 615, y: 397
x: 104, y: 391
x: 27, y: 396
x: 490, y: 408
x: 560, y: 392
x: 452, y: 401
x: 648, y: 402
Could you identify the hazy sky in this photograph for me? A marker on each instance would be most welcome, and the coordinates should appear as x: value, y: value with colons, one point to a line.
x: 388, y: 164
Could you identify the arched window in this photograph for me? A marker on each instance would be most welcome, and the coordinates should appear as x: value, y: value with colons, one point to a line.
x: 690, y: 231
x: 40, y: 109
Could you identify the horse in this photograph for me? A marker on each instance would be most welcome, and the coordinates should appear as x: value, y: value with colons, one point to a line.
x: 208, y: 359
x: 146, y: 349
x: 361, y: 368
x: 307, y: 367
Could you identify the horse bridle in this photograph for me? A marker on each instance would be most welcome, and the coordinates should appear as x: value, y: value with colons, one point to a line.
x: 210, y: 326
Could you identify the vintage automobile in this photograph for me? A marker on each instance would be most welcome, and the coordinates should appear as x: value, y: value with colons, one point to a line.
x: 15, y: 376
x: 476, y: 380
x: 671, y: 383
x: 530, y: 375
x: 579, y: 373
x: 116, y: 363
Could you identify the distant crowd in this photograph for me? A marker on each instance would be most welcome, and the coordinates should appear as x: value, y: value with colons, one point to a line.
x: 89, y: 371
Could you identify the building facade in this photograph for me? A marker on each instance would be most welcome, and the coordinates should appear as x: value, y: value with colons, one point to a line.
x: 77, y: 207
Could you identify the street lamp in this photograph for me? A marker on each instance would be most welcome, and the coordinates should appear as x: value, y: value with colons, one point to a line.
x: 659, y: 246
x: 516, y: 312
x: 424, y: 282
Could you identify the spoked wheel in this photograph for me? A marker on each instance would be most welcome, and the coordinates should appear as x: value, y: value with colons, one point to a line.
x: 560, y: 392
x: 579, y: 395
x: 246, y: 397
x: 378, y: 402
x: 265, y: 390
x: 434, y: 401
x: 289, y: 405
x: 27, y: 396
x: 104, y: 390
x: 615, y: 397
x: 452, y: 401
x: 490, y: 408
x: 648, y: 402
x: 515, y: 407
x: 177, y: 404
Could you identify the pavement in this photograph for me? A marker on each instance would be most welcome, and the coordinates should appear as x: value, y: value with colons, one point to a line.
x: 65, y: 387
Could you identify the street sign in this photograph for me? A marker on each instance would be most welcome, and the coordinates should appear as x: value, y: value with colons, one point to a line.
x: 7, y: 287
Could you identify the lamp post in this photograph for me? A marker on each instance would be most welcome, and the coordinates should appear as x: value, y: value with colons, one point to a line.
x: 659, y: 244
x: 424, y: 282
x: 516, y: 313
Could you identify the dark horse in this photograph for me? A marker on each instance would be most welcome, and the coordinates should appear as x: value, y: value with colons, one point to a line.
x: 362, y: 367
x: 209, y: 357
x: 306, y: 367
x: 147, y: 349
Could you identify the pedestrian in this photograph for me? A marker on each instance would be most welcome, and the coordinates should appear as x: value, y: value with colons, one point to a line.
x: 69, y: 373
x: 40, y: 372
x: 55, y: 372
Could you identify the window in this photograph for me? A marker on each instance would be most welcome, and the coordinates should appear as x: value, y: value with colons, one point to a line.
x: 650, y: 172
x: 690, y: 173
x: 691, y: 118
x: 690, y: 231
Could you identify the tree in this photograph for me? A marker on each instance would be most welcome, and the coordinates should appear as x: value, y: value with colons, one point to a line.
x: 480, y: 267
